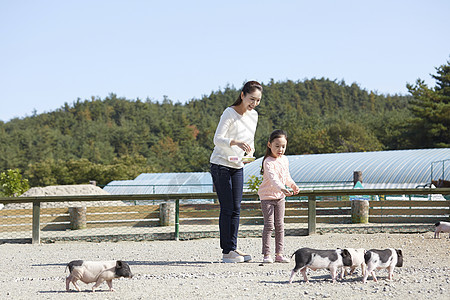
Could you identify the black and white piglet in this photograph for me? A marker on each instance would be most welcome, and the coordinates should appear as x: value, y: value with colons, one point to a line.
x: 357, y: 261
x: 315, y: 259
x: 96, y: 271
x: 441, y: 226
x: 382, y: 259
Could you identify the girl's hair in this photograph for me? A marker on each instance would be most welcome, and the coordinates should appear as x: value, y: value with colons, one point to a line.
x: 249, y: 87
x: 277, y: 133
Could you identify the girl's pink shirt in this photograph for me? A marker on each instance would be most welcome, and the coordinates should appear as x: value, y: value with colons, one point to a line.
x: 276, y: 176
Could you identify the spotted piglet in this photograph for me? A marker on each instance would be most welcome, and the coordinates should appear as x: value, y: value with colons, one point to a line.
x: 441, y: 226
x: 96, y: 271
x: 314, y: 259
x: 357, y: 261
x: 382, y: 259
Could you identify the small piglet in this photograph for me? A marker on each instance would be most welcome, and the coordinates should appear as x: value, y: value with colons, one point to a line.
x: 441, y: 226
x: 96, y: 271
x: 382, y: 259
x: 357, y: 260
x: 314, y: 259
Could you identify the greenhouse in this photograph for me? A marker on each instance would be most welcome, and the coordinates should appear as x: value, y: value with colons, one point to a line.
x: 163, y: 183
x: 380, y: 169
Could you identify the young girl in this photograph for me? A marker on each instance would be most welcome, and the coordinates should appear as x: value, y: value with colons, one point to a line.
x: 272, y: 192
x: 234, y: 137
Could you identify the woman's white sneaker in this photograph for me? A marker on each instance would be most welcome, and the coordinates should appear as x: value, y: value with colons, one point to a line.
x: 247, y: 257
x: 232, y: 257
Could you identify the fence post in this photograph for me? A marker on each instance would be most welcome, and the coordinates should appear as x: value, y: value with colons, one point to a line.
x: 77, y: 217
x: 167, y: 213
x: 36, y: 233
x: 311, y: 215
x: 177, y: 219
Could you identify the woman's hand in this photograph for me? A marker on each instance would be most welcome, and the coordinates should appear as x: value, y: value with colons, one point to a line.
x: 243, y: 145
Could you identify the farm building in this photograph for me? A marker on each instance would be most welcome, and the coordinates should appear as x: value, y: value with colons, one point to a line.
x: 163, y: 183
x: 380, y: 169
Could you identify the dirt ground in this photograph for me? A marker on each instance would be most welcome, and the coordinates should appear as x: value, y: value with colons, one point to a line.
x: 192, y: 270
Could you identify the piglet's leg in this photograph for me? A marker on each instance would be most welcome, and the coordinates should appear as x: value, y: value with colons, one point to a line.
x: 76, y: 285
x: 391, y: 273
x: 365, y: 277
x: 292, y: 276
x: 333, y: 275
x: 374, y: 277
x: 303, y: 271
x: 97, y: 284
x: 74, y: 280
x: 367, y: 273
x: 109, y: 282
x: 67, y: 283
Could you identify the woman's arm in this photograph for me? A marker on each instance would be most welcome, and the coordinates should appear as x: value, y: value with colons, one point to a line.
x: 220, y: 138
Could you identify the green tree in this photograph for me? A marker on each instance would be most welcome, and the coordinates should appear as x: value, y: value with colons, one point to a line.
x: 115, y: 138
x: 430, y: 126
x: 352, y: 137
x: 12, y: 183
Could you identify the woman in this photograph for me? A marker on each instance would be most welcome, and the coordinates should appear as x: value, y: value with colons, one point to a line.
x: 234, y: 137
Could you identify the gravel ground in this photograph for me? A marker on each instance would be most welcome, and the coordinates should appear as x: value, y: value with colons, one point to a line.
x: 192, y: 270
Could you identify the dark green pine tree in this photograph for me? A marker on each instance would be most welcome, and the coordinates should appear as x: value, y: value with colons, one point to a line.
x: 430, y: 127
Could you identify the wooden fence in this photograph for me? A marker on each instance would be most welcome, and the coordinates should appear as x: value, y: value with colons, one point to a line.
x: 297, y: 211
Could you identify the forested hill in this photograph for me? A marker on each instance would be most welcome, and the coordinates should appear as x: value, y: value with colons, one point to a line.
x: 116, y: 138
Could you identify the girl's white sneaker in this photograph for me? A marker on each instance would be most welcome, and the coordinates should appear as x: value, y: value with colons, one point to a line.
x: 267, y: 260
x: 281, y: 259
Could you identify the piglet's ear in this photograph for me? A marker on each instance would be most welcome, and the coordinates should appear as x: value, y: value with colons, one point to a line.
x: 119, y: 264
x: 399, y: 252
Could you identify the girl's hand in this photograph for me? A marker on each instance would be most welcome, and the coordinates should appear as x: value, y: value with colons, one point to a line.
x: 286, y: 192
x: 296, y: 190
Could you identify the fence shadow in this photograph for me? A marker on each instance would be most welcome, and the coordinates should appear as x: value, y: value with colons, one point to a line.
x: 168, y: 263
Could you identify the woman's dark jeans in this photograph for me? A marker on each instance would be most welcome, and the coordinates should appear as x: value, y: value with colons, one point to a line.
x: 229, y: 184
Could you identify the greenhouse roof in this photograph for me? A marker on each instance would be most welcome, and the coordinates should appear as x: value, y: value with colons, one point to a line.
x: 388, y: 169
x: 163, y: 183
x: 380, y: 169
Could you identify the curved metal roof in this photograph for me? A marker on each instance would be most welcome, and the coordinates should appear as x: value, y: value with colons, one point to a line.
x: 163, y: 183
x: 399, y: 168
x: 381, y: 169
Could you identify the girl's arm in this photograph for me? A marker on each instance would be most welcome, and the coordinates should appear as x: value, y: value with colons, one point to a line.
x: 290, y: 182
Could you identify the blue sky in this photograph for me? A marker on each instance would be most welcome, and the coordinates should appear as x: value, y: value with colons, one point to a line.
x: 54, y: 52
